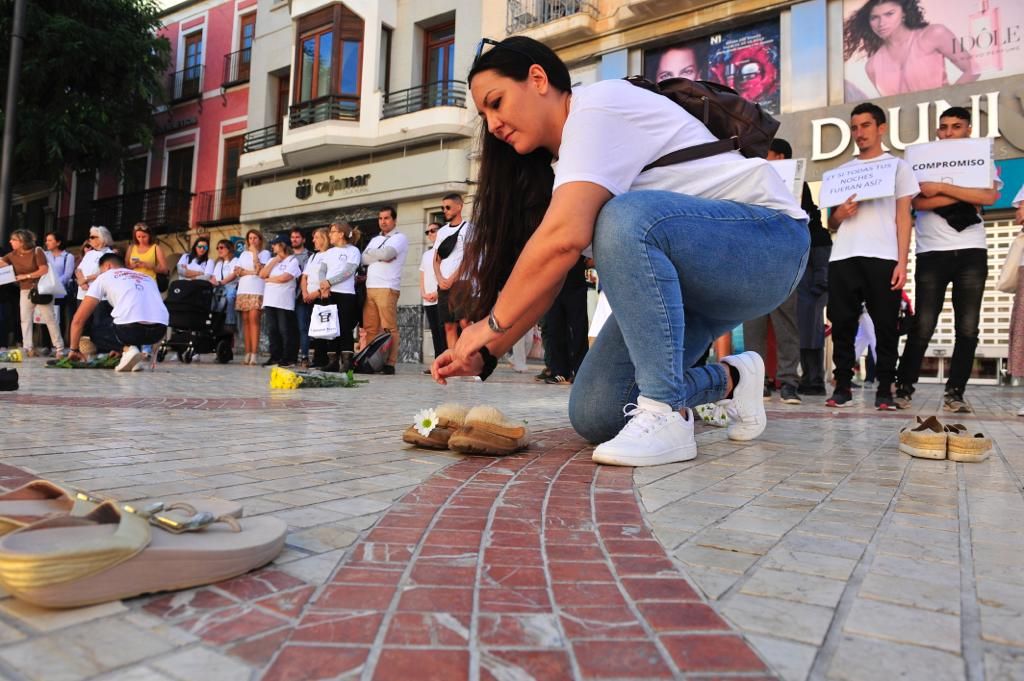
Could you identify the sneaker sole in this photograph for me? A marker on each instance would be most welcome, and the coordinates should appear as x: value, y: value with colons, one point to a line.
x: 612, y: 459
x: 885, y: 406
x: 838, y: 405
x: 131, y: 364
x: 922, y: 452
x: 792, y: 401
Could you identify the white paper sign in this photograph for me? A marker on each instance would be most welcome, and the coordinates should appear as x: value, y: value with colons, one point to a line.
x: 867, y: 180
x: 963, y: 162
x: 792, y: 172
x: 7, y: 275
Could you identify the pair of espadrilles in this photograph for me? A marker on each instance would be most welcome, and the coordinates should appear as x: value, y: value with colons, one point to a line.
x: 928, y: 438
x: 61, y: 549
x: 481, y: 430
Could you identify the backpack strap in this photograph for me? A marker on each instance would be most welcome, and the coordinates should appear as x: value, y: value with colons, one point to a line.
x: 734, y: 143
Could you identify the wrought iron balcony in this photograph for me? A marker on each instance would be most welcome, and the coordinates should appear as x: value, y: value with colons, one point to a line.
x: 236, y: 68
x: 186, y: 84
x: 327, y: 108
x: 428, y: 96
x: 219, y: 207
x: 164, y: 209
x: 264, y: 138
x: 524, y: 14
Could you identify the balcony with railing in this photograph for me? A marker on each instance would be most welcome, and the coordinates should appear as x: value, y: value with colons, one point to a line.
x: 580, y: 18
x: 218, y: 207
x: 326, y: 108
x: 262, y: 138
x: 186, y: 84
x: 164, y: 209
x: 237, y: 66
x: 428, y: 96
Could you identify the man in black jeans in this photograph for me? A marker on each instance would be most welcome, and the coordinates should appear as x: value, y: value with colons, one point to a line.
x: 951, y: 249
x: 565, y: 327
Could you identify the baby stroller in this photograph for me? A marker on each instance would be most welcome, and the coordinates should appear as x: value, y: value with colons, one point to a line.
x: 195, y: 327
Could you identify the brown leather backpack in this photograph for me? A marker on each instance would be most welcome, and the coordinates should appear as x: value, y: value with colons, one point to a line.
x: 740, y: 125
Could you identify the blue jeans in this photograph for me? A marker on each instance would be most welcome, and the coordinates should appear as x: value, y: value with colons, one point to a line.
x: 679, y: 271
x: 303, y: 311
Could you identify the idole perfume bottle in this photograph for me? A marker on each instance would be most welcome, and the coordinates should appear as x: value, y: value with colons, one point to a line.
x: 984, y: 39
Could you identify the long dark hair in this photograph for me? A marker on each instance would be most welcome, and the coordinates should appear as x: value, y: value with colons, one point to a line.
x: 513, y: 191
x: 857, y: 33
x: 194, y: 253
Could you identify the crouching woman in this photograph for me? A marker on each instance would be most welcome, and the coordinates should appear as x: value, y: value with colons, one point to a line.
x: 685, y: 252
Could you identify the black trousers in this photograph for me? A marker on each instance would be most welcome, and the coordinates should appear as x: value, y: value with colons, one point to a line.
x: 436, y: 329
x: 565, y: 329
x: 140, y: 334
x: 283, y: 334
x: 348, y: 317
x: 966, y: 270
x: 863, y: 281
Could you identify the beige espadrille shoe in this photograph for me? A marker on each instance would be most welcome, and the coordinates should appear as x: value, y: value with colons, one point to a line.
x: 967, y: 448
x: 926, y: 439
x: 487, y: 431
x: 433, y: 430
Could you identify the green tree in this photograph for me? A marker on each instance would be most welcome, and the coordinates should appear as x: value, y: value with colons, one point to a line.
x: 92, y: 71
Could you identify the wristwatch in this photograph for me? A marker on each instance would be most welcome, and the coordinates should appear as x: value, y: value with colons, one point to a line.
x: 492, y: 322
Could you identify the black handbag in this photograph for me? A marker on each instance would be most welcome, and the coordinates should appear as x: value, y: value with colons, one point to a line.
x: 445, y: 248
x: 38, y: 298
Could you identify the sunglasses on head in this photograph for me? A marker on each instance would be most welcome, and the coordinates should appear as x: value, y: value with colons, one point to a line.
x: 487, y: 43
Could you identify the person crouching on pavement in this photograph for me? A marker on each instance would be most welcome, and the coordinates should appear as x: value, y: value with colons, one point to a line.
x: 140, y: 317
x: 668, y: 243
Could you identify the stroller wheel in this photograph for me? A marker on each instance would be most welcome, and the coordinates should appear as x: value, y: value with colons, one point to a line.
x: 187, y: 355
x: 224, y: 352
x: 161, y: 354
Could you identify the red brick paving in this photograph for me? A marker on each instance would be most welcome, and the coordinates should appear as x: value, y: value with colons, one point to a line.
x: 571, y: 584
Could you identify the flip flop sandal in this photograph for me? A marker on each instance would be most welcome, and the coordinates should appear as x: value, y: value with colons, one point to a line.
x: 433, y: 427
x: 968, y: 448
x: 926, y: 439
x: 41, y: 499
x: 111, y: 554
x: 487, y: 431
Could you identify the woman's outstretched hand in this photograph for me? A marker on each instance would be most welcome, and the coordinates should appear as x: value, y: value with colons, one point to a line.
x: 464, y: 359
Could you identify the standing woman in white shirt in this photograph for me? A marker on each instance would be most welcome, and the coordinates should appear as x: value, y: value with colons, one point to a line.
x: 63, y: 264
x: 685, y: 251
x: 281, y: 274
x: 249, y: 299
x: 193, y: 264
x: 339, y: 286
x: 221, y: 273
x: 100, y: 241
x: 309, y: 289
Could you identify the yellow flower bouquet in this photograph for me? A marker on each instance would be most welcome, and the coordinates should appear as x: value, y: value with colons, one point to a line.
x: 11, y: 356
x: 285, y: 379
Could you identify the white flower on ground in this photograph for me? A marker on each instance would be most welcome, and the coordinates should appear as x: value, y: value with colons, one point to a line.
x: 425, y: 421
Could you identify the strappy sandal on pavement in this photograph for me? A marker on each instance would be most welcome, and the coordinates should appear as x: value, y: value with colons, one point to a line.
x: 967, y: 448
x: 111, y: 554
x: 487, y: 431
x: 926, y: 439
x: 41, y: 499
x: 433, y: 427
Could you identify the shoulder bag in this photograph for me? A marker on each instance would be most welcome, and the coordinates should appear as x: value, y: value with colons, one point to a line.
x: 1007, y: 282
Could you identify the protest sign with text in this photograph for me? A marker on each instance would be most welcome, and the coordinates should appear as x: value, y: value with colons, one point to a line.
x: 963, y: 162
x: 792, y: 172
x: 867, y: 179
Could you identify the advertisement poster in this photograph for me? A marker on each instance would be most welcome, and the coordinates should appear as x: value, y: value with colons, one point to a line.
x: 903, y: 46
x: 745, y: 59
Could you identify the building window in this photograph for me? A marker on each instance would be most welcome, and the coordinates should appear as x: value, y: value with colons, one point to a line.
x: 439, y: 60
x: 350, y: 69
x: 386, y: 35
x: 315, y: 76
x: 193, y: 66
x: 246, y: 33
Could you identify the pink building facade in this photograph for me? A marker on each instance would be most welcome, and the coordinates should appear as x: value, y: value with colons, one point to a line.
x: 187, y: 181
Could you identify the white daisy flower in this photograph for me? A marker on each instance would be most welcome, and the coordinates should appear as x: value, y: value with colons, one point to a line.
x: 425, y: 421
x: 713, y: 414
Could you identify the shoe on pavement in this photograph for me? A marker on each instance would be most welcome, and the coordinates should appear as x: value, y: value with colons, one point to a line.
x: 747, y: 418
x: 544, y: 373
x: 841, y: 397
x: 954, y: 402
x: 388, y: 370
x: 655, y: 434
x: 129, y: 358
x: 924, y: 439
x: 789, y: 394
x: 557, y: 380
x: 903, y: 398
x: 768, y: 391
x: 884, y: 401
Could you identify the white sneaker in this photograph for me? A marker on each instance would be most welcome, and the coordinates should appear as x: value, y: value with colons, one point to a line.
x: 129, y: 358
x: 655, y: 434
x: 745, y: 409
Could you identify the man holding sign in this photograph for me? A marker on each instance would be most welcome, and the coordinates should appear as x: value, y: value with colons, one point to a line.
x: 869, y: 257
x: 950, y: 249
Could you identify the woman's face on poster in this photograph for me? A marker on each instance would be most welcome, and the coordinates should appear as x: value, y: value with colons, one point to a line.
x: 677, y: 62
x: 886, y: 18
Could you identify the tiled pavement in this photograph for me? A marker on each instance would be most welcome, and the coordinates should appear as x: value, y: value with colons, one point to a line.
x: 816, y: 551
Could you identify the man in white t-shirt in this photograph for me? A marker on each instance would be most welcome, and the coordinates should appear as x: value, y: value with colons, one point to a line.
x: 448, y: 252
x: 869, y: 263
x: 428, y: 291
x: 140, y: 317
x: 385, y: 255
x: 951, y: 249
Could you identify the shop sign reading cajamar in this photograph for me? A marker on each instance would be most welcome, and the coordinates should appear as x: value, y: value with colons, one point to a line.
x: 305, y: 188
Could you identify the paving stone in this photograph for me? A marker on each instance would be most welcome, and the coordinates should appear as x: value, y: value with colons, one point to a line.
x: 791, y: 659
x: 862, y: 659
x: 922, y: 593
x: 783, y: 619
x: 904, y: 625
x: 200, y: 662
x: 48, y: 619
x: 1004, y: 665
x: 793, y: 586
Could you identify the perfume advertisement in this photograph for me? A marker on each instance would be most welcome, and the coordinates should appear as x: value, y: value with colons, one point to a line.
x: 745, y: 59
x: 893, y: 47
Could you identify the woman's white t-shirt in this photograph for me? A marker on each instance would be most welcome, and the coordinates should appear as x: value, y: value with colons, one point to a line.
x: 337, y: 258
x: 614, y: 129
x: 251, y: 283
x: 429, y: 277
x: 89, y: 266
x: 221, y: 269
x: 312, y: 271
x: 282, y: 295
x: 190, y: 264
